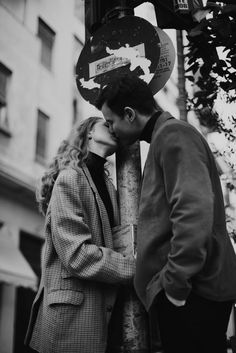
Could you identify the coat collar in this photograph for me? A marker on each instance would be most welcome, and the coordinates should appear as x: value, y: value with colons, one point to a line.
x: 161, y: 120
x: 148, y: 129
x: 102, y: 210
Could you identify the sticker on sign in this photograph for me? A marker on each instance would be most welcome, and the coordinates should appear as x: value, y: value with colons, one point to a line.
x: 118, y: 58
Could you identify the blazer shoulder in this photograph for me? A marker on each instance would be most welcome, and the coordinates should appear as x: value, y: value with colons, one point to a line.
x: 71, y: 175
x: 174, y: 127
x: 71, y: 171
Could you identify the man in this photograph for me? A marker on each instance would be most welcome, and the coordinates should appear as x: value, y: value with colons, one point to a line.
x: 186, y: 265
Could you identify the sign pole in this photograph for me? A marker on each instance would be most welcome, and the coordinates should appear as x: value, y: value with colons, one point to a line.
x: 129, y: 325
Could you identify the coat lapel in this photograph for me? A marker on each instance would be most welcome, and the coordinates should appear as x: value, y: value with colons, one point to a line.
x: 113, y: 195
x: 160, y: 121
x: 106, y: 228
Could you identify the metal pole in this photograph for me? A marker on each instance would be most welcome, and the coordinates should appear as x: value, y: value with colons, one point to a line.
x: 128, y: 164
x: 130, y: 332
x: 181, y: 102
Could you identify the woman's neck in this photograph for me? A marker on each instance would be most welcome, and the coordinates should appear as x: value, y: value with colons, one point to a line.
x: 95, y: 163
x: 99, y: 151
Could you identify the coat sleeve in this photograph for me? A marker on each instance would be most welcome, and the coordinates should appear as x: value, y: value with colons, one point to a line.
x: 184, y: 159
x: 73, y: 241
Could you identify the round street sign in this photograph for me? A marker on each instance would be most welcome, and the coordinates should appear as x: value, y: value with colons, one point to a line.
x: 128, y: 44
x: 166, y: 62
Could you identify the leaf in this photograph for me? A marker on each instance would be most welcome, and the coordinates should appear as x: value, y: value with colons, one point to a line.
x: 195, y: 33
x: 204, y: 70
x: 212, y: 6
x: 230, y: 10
x: 191, y: 60
x: 224, y: 86
x: 190, y: 78
x: 199, y: 15
x: 199, y: 94
x: 212, y: 95
x: 193, y: 68
x: 233, y: 61
x: 232, y: 86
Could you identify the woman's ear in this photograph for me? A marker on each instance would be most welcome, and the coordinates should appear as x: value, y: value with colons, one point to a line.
x: 129, y: 114
x: 90, y: 135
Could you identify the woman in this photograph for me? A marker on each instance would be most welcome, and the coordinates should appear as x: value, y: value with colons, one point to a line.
x: 81, y: 271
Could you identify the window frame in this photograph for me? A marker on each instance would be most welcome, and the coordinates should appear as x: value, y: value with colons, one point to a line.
x: 6, y: 73
x: 42, y: 158
x: 47, y: 37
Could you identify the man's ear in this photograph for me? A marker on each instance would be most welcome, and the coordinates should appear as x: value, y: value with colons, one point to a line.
x: 129, y: 114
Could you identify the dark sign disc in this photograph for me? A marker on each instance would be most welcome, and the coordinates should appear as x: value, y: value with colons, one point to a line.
x: 166, y: 62
x: 126, y: 45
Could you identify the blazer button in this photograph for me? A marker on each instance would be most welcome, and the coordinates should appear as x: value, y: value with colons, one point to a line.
x: 109, y: 308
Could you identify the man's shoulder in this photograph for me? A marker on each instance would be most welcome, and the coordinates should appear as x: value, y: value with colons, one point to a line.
x: 169, y: 123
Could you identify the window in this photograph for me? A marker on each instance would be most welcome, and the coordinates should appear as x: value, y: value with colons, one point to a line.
x: 75, y: 110
x: 41, y: 139
x: 47, y: 36
x: 5, y: 75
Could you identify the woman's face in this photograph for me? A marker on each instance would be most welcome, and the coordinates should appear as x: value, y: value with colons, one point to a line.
x: 102, y: 138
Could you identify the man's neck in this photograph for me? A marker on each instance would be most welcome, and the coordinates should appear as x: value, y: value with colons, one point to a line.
x: 149, y: 126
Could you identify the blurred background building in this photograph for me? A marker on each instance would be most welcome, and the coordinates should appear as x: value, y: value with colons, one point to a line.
x: 40, y: 41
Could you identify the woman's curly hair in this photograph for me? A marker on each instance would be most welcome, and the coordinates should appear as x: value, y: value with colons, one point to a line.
x: 72, y: 152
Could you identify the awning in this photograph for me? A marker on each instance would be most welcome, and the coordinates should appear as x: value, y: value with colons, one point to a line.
x: 14, y: 268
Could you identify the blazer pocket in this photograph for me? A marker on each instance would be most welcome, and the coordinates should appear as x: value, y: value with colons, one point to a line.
x: 65, y: 297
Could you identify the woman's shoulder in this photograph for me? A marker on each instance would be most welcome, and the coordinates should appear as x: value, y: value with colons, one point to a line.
x: 71, y: 173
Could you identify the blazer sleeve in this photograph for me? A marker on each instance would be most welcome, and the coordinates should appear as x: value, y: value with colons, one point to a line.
x: 73, y: 241
x: 184, y: 160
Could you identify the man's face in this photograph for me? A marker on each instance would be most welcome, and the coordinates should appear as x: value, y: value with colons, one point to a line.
x: 122, y: 127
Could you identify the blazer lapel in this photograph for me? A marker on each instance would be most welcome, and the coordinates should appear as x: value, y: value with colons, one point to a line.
x: 106, y: 228
x: 113, y: 195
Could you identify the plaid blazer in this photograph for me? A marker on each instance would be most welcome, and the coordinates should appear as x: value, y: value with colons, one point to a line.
x: 80, y: 272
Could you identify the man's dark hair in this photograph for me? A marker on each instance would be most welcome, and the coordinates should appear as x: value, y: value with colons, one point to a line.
x: 127, y: 90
